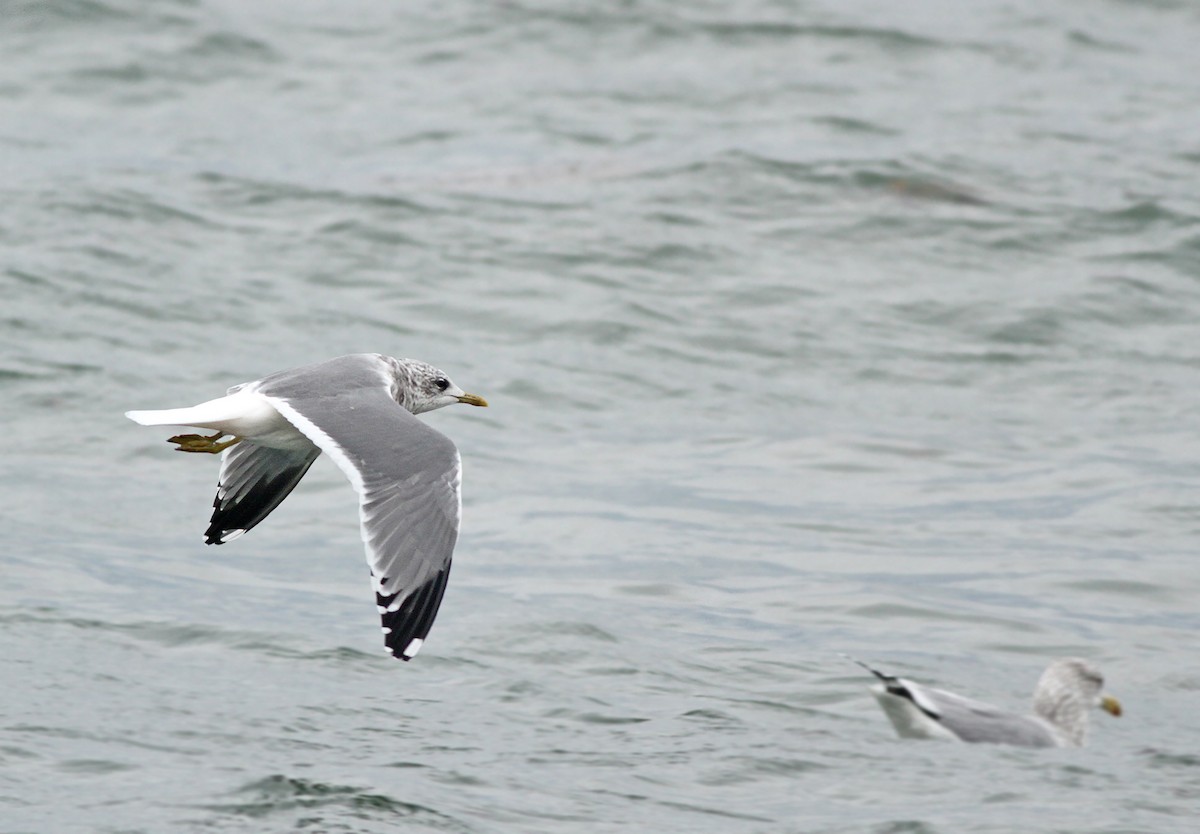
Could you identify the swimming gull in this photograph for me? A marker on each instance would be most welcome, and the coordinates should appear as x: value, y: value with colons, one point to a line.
x: 1066, y: 692
x: 357, y: 409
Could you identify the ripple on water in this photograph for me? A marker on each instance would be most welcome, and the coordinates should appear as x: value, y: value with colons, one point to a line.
x: 312, y: 803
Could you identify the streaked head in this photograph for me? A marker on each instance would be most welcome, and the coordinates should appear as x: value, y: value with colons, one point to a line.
x: 1067, y: 690
x: 420, y: 387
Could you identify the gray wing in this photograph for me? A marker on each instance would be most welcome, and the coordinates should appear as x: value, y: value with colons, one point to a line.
x: 253, y: 481
x: 975, y: 721
x: 407, y: 476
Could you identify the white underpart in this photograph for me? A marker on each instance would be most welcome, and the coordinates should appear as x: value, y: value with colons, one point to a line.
x: 414, y: 646
x: 244, y: 413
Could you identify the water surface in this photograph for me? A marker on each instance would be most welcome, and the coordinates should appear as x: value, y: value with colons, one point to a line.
x: 807, y: 327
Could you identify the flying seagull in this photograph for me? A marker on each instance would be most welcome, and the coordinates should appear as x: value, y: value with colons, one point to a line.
x: 1066, y: 692
x: 357, y: 409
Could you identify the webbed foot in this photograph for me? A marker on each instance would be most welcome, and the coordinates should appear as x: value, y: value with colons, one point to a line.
x: 202, y: 443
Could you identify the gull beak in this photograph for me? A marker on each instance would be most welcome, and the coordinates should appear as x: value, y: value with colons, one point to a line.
x: 472, y: 399
x: 1110, y: 705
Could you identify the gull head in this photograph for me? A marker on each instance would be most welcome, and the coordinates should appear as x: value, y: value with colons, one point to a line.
x: 420, y: 387
x: 1065, y: 693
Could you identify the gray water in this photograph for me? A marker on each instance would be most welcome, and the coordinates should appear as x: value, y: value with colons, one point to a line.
x: 808, y: 328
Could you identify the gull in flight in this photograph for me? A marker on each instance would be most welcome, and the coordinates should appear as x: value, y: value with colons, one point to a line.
x: 359, y: 410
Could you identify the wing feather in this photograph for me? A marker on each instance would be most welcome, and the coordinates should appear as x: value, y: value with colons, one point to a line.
x: 254, y: 480
x: 407, y: 477
x: 978, y: 722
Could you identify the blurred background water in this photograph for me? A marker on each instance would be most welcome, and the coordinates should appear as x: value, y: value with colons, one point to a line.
x: 808, y: 328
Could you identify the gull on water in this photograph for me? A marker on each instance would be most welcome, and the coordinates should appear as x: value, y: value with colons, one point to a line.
x: 357, y: 409
x: 1067, y: 691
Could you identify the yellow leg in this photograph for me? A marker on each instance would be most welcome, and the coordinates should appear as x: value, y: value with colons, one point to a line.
x: 201, y: 443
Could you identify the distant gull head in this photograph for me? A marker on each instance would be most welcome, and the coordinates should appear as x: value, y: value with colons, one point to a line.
x: 1067, y: 691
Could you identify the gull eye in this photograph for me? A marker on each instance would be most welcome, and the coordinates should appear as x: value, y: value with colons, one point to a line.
x: 441, y: 383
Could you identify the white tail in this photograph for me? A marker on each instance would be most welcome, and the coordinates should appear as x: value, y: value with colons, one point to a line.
x: 165, y: 417
x: 243, y: 413
x: 214, y: 414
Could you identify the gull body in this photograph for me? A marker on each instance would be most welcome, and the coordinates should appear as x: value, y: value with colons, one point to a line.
x: 359, y: 410
x: 1066, y: 692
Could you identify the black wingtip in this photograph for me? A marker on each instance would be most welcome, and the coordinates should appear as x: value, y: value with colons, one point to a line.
x: 895, y: 686
x: 875, y: 672
x: 413, y: 618
x: 264, y: 478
